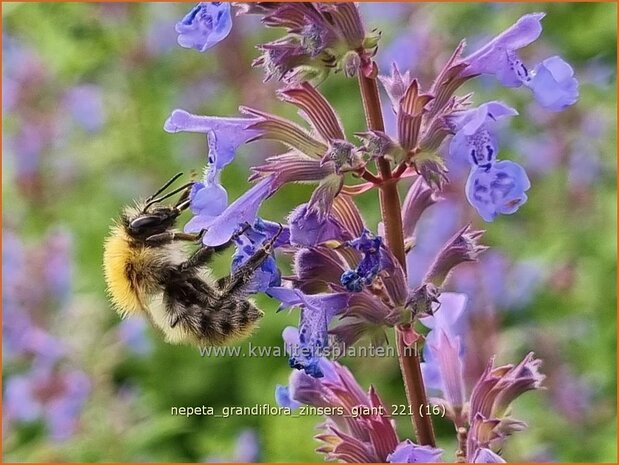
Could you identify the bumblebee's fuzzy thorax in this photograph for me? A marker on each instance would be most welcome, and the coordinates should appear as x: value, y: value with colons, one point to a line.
x: 131, y: 267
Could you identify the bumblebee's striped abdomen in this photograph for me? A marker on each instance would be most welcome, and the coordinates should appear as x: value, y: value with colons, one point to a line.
x: 209, y: 317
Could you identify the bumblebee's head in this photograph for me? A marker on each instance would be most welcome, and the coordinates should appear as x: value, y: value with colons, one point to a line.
x: 150, y: 217
x: 143, y: 224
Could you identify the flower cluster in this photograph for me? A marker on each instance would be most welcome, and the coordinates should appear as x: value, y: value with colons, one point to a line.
x: 484, y: 416
x: 349, y: 278
x: 320, y: 37
x: 360, y: 430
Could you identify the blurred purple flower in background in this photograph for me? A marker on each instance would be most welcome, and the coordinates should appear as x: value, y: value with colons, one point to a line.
x: 247, y: 449
x: 86, y: 107
x: 47, y: 391
x: 54, y: 396
x: 133, y: 334
x: 443, y: 352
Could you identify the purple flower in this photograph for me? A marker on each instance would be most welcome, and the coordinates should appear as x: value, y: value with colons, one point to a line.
x: 132, y: 333
x: 316, y: 312
x: 462, y: 247
x: 498, y: 387
x: 225, y: 135
x: 485, y: 455
x: 369, y: 266
x: 443, y: 353
x: 409, y: 452
x: 207, y: 24
x: 268, y: 275
x: 207, y: 201
x: 320, y: 37
x: 499, y: 189
x: 362, y: 438
x: 419, y: 197
x: 553, y: 84
x: 283, y: 399
x: 475, y: 139
x: 85, y: 105
x: 55, y: 397
x: 309, y: 228
x: 499, y: 58
x: 243, y: 210
x: 552, y: 81
x: 489, y: 418
x: 395, y: 85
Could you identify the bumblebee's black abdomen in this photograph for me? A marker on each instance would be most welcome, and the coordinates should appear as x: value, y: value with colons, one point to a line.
x: 212, y: 318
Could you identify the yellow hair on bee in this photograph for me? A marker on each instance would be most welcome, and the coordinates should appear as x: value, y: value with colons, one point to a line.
x: 125, y: 295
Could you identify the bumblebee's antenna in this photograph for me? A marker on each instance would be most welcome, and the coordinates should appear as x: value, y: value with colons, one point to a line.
x: 165, y: 186
x: 168, y: 195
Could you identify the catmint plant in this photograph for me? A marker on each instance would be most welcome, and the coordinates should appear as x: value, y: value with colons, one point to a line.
x: 350, y: 279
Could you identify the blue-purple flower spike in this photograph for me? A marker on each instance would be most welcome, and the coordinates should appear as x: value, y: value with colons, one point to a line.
x: 347, y: 283
x: 207, y: 24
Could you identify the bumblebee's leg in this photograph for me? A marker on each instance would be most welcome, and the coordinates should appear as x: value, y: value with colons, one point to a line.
x: 204, y: 254
x: 241, y: 277
x: 167, y: 237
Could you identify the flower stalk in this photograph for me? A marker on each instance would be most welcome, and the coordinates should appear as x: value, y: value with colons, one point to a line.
x: 410, y: 364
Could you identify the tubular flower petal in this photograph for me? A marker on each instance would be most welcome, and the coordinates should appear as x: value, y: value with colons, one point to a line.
x: 225, y: 135
x: 316, y: 312
x: 499, y: 189
x: 475, y: 139
x: 552, y: 81
x: 207, y: 24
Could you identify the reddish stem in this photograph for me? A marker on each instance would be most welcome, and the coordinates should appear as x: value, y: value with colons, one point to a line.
x: 392, y: 219
x: 369, y: 176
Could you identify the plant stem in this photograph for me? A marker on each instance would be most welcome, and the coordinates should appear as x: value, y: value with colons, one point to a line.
x: 392, y: 220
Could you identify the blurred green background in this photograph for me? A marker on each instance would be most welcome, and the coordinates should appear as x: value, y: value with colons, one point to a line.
x: 86, y: 89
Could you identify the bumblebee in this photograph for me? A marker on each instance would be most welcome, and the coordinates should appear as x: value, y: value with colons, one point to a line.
x: 149, y: 271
